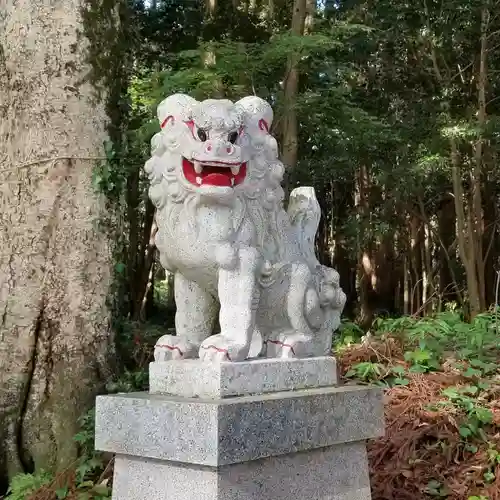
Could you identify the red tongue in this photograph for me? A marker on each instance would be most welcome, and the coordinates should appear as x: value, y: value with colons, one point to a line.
x: 217, y: 180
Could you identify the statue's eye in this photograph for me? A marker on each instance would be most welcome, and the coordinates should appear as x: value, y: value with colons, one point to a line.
x: 232, y: 137
x: 202, y: 135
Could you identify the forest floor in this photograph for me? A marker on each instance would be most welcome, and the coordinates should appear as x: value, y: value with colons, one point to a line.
x: 442, y: 403
x: 442, y: 406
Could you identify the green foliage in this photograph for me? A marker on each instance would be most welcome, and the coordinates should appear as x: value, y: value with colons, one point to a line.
x: 108, y: 177
x: 130, y: 381
x: 23, y: 485
x: 465, y: 398
x: 423, y: 358
x: 366, y: 371
x: 348, y: 333
x: 86, y: 478
x: 446, y: 332
x: 370, y: 372
x: 85, y: 437
x: 436, y: 489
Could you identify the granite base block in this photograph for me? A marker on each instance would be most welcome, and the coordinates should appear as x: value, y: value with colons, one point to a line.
x: 195, y: 378
x: 240, y: 429
x: 333, y: 473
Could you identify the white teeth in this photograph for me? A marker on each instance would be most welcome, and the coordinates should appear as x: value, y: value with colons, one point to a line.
x: 198, y: 181
x: 198, y: 167
x: 235, y: 170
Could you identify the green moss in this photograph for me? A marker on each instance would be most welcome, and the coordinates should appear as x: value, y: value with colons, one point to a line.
x: 107, y: 29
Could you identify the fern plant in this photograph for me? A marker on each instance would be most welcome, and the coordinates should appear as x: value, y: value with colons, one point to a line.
x: 24, y: 485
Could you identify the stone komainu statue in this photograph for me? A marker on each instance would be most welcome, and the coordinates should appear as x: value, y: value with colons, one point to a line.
x: 222, y: 230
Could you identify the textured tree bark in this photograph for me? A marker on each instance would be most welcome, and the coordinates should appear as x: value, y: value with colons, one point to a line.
x: 416, y: 240
x: 465, y: 238
x: 491, y: 241
x: 477, y: 171
x: 448, y: 287
x: 290, y: 89
x: 54, y: 259
x: 341, y: 258
x: 366, y: 264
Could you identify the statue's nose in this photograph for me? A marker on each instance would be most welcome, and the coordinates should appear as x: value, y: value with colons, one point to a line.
x: 219, y: 148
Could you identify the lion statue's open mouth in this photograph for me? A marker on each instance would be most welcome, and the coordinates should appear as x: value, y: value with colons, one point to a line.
x: 214, y: 173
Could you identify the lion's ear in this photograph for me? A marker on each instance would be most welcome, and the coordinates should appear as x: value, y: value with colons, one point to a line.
x: 175, y: 107
x: 258, y: 113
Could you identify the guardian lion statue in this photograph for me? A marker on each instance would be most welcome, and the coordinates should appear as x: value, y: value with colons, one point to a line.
x: 234, y: 251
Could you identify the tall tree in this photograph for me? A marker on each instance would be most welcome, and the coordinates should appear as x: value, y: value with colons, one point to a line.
x: 291, y: 86
x: 55, y: 260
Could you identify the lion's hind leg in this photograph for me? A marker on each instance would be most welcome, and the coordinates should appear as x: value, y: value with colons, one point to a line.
x: 297, y: 336
x: 194, y: 321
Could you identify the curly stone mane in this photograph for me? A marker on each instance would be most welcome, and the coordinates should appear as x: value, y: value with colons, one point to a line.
x: 260, y: 198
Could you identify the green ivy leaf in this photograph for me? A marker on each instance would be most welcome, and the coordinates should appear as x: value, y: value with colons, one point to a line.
x: 120, y: 267
x: 398, y: 370
x: 62, y: 493
x: 101, y: 490
x: 401, y: 381
x: 484, y: 415
x: 489, y: 477
x: 464, y: 431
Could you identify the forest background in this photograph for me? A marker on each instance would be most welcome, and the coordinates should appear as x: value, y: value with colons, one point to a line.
x: 389, y: 109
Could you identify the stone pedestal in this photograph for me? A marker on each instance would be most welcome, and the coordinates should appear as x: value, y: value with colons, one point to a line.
x: 257, y: 430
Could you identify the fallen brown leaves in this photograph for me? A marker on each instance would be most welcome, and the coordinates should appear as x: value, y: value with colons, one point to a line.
x: 422, y: 445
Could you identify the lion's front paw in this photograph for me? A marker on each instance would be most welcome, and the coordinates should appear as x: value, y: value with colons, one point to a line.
x: 294, y: 345
x: 171, y: 347
x: 222, y: 348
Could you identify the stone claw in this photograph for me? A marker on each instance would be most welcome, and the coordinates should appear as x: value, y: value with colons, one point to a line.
x: 290, y: 346
x: 220, y: 348
x: 169, y: 347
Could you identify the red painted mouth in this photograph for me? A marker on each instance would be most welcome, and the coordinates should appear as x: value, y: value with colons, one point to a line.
x: 213, y: 175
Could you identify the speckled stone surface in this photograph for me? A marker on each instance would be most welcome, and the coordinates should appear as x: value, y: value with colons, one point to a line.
x: 213, y: 225
x: 240, y: 429
x: 195, y: 378
x: 335, y: 473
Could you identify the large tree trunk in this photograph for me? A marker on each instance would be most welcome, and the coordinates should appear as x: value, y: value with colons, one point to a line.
x: 54, y: 259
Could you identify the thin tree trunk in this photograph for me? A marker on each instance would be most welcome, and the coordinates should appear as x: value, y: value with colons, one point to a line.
x: 291, y: 86
x: 446, y: 236
x: 464, y: 236
x: 133, y: 269
x: 366, y: 265
x: 147, y: 264
x: 426, y: 259
x: 491, y: 242
x: 469, y: 223
x: 209, y: 56
x: 415, y: 264
x: 406, y: 286
x: 477, y: 204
